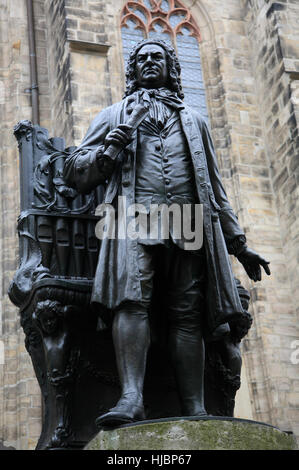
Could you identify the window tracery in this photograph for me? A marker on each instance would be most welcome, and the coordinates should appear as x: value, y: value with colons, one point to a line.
x: 171, y: 21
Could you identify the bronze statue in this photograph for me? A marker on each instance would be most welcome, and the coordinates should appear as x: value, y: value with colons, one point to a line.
x: 152, y: 149
x: 172, y: 307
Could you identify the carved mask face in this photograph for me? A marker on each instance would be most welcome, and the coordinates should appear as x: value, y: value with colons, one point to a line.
x: 151, y: 66
x: 49, y: 322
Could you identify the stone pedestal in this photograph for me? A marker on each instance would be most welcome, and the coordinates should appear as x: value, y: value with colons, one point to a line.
x: 212, y: 433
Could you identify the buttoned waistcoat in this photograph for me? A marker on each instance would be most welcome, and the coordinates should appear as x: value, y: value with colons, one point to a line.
x: 164, y: 174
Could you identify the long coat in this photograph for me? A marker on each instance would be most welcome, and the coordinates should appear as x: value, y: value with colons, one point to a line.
x: 117, y: 275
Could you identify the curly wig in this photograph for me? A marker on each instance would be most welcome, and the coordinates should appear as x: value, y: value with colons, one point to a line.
x: 174, y: 68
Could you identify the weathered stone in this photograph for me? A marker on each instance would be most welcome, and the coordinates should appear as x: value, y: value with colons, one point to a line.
x: 209, y: 434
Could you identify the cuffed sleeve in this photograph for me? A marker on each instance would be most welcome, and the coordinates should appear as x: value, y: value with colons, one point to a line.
x: 83, y: 169
x: 237, y: 245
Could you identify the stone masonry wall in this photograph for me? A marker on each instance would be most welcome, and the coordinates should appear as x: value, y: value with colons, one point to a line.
x: 245, y: 167
x: 86, y: 31
x: 273, y: 30
x: 20, y: 402
x: 61, y: 120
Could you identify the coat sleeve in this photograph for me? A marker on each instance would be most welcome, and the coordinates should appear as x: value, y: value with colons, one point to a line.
x: 234, y: 235
x: 82, y: 170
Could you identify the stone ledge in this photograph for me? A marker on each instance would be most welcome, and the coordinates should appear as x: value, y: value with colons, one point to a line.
x: 211, y: 433
x: 86, y: 46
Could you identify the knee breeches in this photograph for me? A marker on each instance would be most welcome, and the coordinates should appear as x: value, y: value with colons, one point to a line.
x: 179, y: 275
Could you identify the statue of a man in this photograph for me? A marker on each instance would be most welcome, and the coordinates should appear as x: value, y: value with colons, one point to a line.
x: 168, y: 159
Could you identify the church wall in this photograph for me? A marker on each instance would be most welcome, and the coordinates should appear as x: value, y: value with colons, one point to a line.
x: 273, y: 31
x: 248, y: 177
x: 20, y: 402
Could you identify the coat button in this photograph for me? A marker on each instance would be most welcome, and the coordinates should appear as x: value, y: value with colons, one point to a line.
x: 158, y: 147
x: 169, y: 195
x: 165, y: 159
x: 126, y: 184
x: 126, y: 167
x: 167, y: 181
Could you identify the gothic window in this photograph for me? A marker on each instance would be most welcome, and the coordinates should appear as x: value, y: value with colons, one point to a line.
x: 171, y: 21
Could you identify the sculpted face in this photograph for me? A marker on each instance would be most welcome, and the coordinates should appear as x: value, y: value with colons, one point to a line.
x: 151, y: 66
x: 49, y: 322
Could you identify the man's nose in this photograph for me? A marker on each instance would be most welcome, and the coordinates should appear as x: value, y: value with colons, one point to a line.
x: 149, y: 59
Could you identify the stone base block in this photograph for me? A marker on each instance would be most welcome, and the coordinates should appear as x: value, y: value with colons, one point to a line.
x: 211, y: 433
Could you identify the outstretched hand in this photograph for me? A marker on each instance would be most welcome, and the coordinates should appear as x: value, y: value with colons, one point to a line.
x: 252, y: 263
